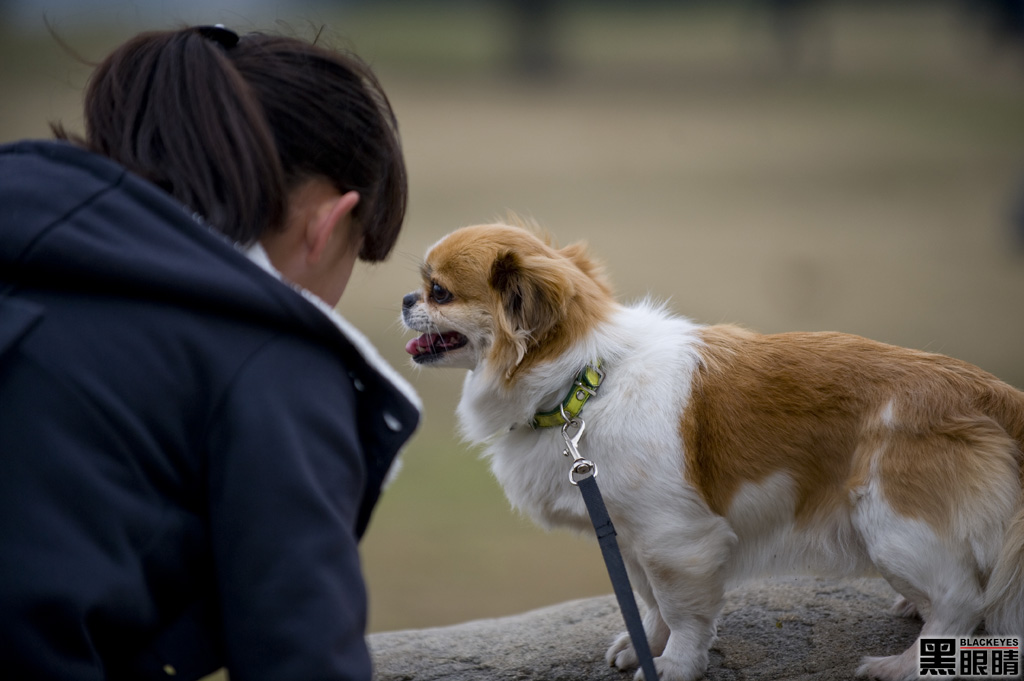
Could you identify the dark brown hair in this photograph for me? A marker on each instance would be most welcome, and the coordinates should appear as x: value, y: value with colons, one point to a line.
x: 229, y: 130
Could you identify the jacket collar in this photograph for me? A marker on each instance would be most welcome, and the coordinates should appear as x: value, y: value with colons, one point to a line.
x: 360, y: 342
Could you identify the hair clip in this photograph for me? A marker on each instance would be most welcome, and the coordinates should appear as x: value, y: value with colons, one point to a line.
x: 224, y: 37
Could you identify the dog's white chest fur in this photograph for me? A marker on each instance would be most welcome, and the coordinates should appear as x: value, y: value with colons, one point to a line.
x: 632, y: 425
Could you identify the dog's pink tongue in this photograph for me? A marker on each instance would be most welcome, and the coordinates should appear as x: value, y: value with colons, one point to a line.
x: 417, y: 346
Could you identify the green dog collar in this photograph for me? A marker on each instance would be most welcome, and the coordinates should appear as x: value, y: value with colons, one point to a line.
x: 585, y: 387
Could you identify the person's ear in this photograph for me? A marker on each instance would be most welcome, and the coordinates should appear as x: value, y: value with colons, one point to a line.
x: 328, y: 216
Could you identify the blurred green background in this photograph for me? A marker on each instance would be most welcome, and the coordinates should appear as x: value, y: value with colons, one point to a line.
x: 799, y: 165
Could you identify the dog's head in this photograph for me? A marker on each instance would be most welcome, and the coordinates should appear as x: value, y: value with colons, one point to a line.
x: 497, y: 295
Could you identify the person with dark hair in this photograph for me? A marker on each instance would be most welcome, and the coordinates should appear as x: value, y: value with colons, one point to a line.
x: 191, y: 439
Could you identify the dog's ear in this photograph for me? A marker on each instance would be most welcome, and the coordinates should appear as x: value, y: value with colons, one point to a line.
x: 594, y: 270
x: 533, y: 292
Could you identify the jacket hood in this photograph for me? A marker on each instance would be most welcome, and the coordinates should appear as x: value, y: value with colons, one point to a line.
x: 74, y: 220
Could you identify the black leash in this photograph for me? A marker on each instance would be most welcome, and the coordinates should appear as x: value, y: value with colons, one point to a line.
x: 583, y: 474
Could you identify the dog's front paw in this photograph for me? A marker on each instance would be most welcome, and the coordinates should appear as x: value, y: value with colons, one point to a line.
x: 622, y: 654
x: 672, y: 669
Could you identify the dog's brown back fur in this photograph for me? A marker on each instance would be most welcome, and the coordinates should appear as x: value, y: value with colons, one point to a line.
x: 813, y: 405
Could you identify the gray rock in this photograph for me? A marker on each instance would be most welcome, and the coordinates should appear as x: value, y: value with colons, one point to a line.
x: 794, y: 629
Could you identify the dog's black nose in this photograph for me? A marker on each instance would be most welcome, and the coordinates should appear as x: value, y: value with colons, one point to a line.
x: 409, y: 300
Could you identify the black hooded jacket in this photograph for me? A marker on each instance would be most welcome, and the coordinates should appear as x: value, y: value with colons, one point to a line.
x: 190, y: 449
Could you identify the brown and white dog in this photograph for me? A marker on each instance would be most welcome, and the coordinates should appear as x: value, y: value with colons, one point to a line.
x: 725, y: 454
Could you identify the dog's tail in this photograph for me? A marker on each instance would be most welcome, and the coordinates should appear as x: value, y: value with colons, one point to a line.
x: 1004, y: 594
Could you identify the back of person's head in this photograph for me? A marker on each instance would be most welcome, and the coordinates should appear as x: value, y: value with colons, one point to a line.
x: 229, y: 126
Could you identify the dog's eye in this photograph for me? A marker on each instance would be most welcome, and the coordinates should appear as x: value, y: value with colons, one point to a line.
x: 440, y: 294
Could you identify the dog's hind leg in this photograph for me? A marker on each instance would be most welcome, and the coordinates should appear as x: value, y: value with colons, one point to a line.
x: 956, y: 610
x: 928, y: 569
x: 919, y: 563
x: 933, y: 513
x: 904, y: 607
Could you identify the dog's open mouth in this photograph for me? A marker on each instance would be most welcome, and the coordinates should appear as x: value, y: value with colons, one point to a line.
x: 431, y: 346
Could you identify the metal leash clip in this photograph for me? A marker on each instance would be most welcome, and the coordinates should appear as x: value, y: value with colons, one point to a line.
x: 581, y: 468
